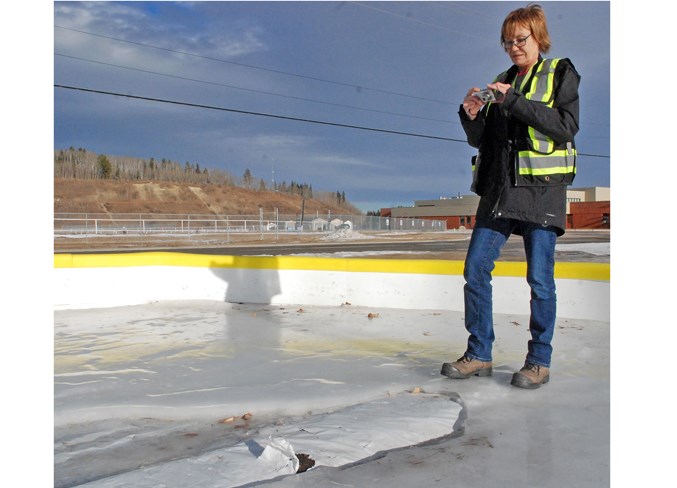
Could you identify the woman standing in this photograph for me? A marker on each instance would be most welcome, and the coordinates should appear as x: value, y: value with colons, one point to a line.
x: 523, y: 126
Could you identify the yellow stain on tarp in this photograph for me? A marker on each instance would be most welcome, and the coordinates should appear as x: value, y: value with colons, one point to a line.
x: 579, y: 271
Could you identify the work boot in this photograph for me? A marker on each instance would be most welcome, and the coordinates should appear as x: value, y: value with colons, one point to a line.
x: 465, y: 368
x: 531, y: 376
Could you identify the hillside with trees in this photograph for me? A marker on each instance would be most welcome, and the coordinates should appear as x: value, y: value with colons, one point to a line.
x: 87, y: 182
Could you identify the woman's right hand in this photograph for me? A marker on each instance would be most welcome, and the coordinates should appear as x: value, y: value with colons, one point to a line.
x: 471, y: 104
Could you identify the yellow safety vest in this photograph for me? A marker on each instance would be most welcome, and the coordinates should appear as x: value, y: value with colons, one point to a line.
x: 541, y: 163
x: 538, y: 161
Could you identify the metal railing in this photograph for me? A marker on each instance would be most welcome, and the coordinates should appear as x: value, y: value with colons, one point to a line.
x: 92, y: 224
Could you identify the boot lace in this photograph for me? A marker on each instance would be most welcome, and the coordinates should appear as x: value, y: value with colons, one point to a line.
x: 533, y: 368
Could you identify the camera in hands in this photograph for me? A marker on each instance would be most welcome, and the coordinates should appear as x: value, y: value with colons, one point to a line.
x: 488, y: 95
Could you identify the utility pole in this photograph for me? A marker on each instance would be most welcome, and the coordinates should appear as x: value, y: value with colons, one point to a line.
x: 303, y: 212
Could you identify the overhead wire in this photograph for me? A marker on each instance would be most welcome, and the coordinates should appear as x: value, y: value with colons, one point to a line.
x: 276, y: 116
x: 410, y: 18
x: 251, y: 66
x: 140, y: 70
x: 248, y: 112
x: 324, y: 80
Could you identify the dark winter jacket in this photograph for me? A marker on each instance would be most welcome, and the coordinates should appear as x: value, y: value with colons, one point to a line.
x: 500, y: 129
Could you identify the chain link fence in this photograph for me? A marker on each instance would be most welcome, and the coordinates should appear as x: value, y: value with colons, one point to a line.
x: 272, y: 223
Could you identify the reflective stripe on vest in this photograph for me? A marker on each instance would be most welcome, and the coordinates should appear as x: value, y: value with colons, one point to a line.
x: 542, y: 160
x: 561, y: 161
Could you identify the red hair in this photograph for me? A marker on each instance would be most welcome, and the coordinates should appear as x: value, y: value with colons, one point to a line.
x: 531, y: 17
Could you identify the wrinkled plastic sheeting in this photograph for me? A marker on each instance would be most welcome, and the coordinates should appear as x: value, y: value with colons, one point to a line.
x: 332, y: 439
x: 279, y: 457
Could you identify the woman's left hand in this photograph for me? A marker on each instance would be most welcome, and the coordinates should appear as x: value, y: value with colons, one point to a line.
x: 501, y: 88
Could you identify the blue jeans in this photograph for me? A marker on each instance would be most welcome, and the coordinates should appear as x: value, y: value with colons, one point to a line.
x: 487, y: 240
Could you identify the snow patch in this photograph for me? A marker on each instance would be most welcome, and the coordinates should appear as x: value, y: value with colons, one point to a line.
x: 596, y: 248
x: 344, y: 235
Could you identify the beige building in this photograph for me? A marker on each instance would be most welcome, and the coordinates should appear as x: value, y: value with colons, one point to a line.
x: 592, y: 194
x: 460, y: 211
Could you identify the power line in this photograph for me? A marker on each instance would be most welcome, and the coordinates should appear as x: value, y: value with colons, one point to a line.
x: 246, y: 112
x: 275, y: 116
x: 410, y: 18
x: 225, y: 85
x: 351, y: 85
x: 270, y: 70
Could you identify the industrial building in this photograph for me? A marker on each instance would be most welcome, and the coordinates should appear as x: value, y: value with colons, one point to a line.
x: 587, y: 208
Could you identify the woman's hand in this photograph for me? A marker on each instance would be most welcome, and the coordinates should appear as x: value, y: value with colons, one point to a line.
x: 471, y: 104
x: 499, y: 88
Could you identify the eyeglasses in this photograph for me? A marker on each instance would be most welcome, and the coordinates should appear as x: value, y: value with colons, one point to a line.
x: 519, y: 42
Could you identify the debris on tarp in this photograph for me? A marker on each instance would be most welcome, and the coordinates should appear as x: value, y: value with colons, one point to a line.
x: 305, y: 462
x: 231, y: 419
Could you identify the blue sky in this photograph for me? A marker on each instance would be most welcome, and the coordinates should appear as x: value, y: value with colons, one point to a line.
x: 393, y: 66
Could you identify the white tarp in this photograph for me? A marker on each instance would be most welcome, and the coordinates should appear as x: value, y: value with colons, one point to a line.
x: 332, y: 439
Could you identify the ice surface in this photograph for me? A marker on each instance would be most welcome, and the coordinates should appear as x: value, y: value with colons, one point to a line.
x: 192, y: 393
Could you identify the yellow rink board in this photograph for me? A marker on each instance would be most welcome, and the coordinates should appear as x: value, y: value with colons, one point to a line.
x: 567, y: 270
